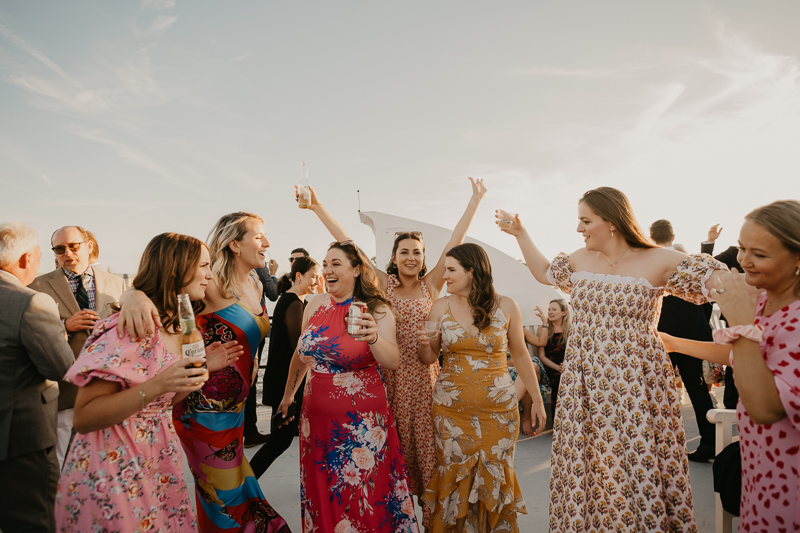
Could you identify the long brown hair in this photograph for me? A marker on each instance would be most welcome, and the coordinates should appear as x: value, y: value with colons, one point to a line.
x: 168, y: 263
x: 566, y: 322
x: 782, y: 219
x: 229, y: 228
x: 391, y: 267
x: 367, y: 288
x: 614, y: 207
x: 482, y: 298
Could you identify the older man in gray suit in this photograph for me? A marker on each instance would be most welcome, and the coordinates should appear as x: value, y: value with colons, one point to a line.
x: 33, y: 354
x: 84, y: 295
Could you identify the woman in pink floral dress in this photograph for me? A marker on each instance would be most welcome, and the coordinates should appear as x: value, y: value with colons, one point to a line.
x: 124, y: 471
x: 411, y: 288
x: 352, y: 474
x: 762, y: 344
x: 619, y: 453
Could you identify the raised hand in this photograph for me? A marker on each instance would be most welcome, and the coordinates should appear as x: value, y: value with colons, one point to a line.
x: 540, y: 314
x: 314, y: 200
x: 478, y: 188
x: 714, y: 232
x: 508, y: 222
x: 219, y: 355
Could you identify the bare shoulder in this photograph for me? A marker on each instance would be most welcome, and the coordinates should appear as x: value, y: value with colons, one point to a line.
x: 438, y: 308
x: 214, y: 300
x: 578, y: 258
x: 315, y: 302
x: 509, y: 306
x: 666, y: 258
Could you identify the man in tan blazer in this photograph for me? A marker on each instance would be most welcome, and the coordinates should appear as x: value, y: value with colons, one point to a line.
x: 33, y: 353
x: 84, y: 295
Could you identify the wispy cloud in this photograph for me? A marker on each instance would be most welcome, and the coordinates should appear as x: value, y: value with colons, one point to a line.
x: 161, y: 23
x: 158, y: 4
x: 21, y: 43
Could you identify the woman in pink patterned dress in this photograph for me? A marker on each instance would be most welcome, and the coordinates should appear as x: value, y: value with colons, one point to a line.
x: 411, y: 288
x: 124, y: 471
x: 619, y: 453
x: 764, y: 351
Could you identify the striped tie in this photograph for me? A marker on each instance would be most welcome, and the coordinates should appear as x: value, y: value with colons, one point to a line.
x: 81, y: 296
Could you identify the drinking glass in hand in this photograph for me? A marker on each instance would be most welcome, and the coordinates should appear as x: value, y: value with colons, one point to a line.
x: 431, y: 328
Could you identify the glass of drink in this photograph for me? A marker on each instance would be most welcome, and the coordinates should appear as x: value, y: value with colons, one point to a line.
x: 354, y: 314
x: 303, y: 190
x: 504, y: 219
x: 431, y: 328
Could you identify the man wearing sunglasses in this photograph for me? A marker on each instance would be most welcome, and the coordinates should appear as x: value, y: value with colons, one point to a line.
x: 84, y: 295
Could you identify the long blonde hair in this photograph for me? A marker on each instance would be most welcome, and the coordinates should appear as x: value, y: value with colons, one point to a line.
x: 229, y: 228
x: 566, y: 323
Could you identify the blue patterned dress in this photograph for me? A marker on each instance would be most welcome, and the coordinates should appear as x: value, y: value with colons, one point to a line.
x: 352, y: 473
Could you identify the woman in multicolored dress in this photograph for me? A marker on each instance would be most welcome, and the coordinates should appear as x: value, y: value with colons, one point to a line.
x: 124, y: 470
x: 210, y: 422
x: 411, y: 288
x: 475, y: 412
x: 619, y: 451
x: 352, y: 474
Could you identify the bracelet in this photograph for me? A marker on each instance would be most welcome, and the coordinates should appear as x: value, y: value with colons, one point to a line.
x: 143, y: 396
x: 754, y: 332
x: 376, y: 340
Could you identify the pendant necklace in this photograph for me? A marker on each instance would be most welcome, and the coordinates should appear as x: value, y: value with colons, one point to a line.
x: 618, y: 258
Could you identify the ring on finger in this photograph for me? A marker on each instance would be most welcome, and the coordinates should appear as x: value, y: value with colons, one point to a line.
x: 720, y: 291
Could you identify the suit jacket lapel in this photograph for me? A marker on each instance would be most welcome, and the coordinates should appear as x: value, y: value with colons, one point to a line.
x: 101, y: 298
x: 61, y: 288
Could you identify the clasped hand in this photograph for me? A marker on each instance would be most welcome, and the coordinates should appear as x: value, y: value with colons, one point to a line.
x: 181, y: 376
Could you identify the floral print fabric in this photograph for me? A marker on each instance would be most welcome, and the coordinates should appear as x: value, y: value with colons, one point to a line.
x: 619, y: 451
x: 476, y: 421
x: 410, y: 390
x: 771, y: 452
x: 352, y: 474
x: 127, y: 477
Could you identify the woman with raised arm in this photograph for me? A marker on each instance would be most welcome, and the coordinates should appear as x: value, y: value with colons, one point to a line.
x: 762, y: 344
x: 411, y: 288
x: 475, y: 414
x: 287, y: 321
x: 619, y: 451
x: 553, y: 343
x: 210, y: 421
x: 124, y: 470
x: 352, y: 473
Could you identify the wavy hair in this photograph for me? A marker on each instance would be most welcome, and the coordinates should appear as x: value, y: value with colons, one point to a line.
x: 566, y: 322
x: 367, y: 288
x: 614, y: 207
x: 391, y: 267
x: 782, y: 219
x: 168, y: 264
x: 482, y: 298
x: 229, y: 228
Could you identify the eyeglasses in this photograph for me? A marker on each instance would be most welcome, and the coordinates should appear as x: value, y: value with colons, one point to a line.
x: 73, y: 246
x: 411, y: 233
x: 343, y: 243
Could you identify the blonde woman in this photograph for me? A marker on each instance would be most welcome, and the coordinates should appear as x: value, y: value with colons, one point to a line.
x: 552, y: 343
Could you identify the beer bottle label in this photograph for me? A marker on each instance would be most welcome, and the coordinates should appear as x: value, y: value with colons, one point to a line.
x: 194, y: 349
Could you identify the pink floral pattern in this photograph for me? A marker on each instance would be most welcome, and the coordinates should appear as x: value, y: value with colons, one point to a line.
x: 128, y: 477
x: 619, y: 451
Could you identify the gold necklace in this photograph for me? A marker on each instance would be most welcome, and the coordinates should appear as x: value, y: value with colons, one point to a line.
x: 618, y: 258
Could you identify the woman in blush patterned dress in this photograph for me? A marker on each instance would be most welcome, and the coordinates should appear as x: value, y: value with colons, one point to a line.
x: 619, y: 451
x: 762, y: 344
x: 411, y: 288
x: 352, y: 474
x: 475, y: 412
x: 124, y: 470
x: 210, y: 421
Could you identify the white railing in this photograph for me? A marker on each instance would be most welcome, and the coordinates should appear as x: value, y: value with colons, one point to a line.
x: 724, y: 419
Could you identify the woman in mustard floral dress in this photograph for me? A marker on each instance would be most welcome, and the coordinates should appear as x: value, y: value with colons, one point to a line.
x: 619, y: 451
x: 475, y: 413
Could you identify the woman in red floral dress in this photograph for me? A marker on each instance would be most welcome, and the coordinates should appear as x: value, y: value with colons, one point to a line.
x: 411, y: 288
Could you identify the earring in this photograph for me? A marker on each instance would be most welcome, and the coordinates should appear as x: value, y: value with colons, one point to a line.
x: 612, y: 233
x: 797, y: 271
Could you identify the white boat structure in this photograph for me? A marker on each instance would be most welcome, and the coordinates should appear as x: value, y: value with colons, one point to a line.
x: 511, y: 278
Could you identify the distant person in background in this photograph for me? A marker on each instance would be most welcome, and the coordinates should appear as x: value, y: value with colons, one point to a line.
x: 687, y: 320
x: 33, y: 354
x: 94, y: 255
x: 729, y: 258
x: 552, y: 343
x: 286, y: 280
x: 84, y: 295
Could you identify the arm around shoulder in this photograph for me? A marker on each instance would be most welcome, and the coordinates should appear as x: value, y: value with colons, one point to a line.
x: 43, y: 335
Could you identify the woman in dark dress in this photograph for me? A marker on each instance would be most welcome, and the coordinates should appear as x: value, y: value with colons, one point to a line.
x: 287, y: 321
x: 554, y: 333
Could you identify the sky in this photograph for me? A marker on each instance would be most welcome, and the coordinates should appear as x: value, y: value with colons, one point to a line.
x: 136, y: 118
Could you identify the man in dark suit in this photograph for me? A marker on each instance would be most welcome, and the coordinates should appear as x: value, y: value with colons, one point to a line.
x: 687, y: 320
x: 33, y: 353
x: 729, y: 259
x: 84, y: 295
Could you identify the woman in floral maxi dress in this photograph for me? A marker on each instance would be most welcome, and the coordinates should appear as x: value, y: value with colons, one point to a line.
x: 124, y: 470
x: 475, y: 413
x: 410, y: 287
x: 352, y: 474
x: 619, y: 452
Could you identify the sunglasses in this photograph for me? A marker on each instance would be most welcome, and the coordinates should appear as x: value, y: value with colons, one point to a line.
x: 343, y: 243
x: 62, y: 248
x: 411, y: 233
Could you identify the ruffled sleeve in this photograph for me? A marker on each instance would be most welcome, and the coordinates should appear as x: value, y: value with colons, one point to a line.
x: 559, y: 273
x: 107, y: 357
x: 688, y: 282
